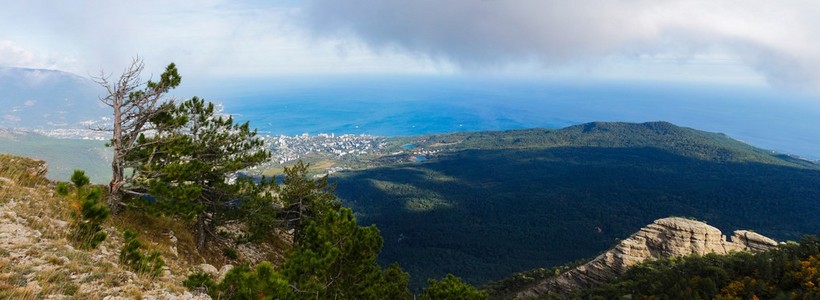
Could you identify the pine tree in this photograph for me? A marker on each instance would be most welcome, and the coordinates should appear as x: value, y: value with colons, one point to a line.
x: 451, y: 288
x: 134, y: 103
x: 332, y: 257
x: 304, y: 198
x: 185, y: 165
x: 263, y: 282
x: 336, y: 259
x: 87, y: 212
x: 260, y: 208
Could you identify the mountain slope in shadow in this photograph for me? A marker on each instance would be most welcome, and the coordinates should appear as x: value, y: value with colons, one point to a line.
x: 502, y: 202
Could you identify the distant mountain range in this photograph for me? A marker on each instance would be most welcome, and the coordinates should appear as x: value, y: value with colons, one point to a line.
x: 48, y: 99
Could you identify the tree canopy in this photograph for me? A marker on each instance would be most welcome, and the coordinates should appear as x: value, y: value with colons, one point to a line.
x: 184, y: 167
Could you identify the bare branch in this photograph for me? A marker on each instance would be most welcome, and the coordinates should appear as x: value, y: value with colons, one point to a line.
x: 134, y: 103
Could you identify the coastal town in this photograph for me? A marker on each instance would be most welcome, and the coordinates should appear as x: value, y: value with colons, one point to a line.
x: 291, y: 148
x: 327, y: 153
x: 330, y: 153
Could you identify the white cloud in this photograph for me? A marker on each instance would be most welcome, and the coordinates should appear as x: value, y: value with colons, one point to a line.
x: 14, y: 55
x: 674, y: 39
x: 11, y: 118
x: 207, y: 39
x: 776, y: 38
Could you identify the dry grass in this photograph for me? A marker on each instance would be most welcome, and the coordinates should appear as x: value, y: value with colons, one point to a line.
x: 51, y: 266
x: 154, y: 232
x: 56, y: 281
x: 23, y: 293
x: 21, y: 171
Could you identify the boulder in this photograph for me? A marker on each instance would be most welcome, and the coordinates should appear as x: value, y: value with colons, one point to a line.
x: 224, y: 271
x: 209, y: 269
x: 39, y: 170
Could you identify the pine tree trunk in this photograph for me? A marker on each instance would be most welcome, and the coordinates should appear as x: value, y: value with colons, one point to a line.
x: 114, y: 187
x: 200, y: 232
x: 117, y: 163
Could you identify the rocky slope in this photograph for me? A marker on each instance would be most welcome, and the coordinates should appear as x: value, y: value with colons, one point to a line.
x: 668, y: 237
x: 38, y: 262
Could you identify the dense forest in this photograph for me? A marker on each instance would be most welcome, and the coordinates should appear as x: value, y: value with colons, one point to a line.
x: 487, y: 212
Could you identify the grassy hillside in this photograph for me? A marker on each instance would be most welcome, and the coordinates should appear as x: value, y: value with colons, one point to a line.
x: 62, y: 155
x: 39, y: 261
x: 501, y: 202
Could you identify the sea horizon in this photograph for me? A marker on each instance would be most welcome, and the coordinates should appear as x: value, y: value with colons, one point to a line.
x: 407, y: 106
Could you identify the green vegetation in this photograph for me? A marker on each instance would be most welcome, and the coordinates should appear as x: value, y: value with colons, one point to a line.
x: 336, y: 259
x: 136, y: 106
x: 230, y: 253
x: 87, y: 211
x: 204, y: 282
x: 788, y: 272
x: 304, y: 199
x: 260, y: 283
x: 486, y: 213
x: 20, y: 171
x: 185, y: 165
x: 451, y: 288
x: 131, y: 255
x: 332, y: 257
x: 660, y: 135
x: 510, y: 286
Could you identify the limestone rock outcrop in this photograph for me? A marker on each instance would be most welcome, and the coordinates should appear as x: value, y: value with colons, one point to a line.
x: 38, y: 170
x: 668, y: 237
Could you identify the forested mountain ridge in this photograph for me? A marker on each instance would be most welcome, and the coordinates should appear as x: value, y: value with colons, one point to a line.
x: 661, y: 135
x: 548, y: 197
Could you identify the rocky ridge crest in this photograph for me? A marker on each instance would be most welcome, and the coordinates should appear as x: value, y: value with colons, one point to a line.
x: 668, y: 237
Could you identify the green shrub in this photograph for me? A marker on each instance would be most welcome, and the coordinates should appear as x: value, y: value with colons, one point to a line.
x: 202, y: 282
x: 230, y: 253
x: 131, y: 256
x: 87, y: 212
x: 242, y: 282
x: 451, y: 288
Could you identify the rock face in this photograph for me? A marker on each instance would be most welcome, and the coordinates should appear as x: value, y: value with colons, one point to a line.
x: 668, y: 237
x: 39, y: 170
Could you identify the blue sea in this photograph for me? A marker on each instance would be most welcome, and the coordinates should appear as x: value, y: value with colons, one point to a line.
x: 765, y: 117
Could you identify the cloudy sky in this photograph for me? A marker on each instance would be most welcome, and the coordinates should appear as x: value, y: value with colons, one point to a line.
x: 774, y: 43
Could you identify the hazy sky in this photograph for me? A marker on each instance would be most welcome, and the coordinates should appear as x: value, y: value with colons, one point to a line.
x: 749, y: 41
